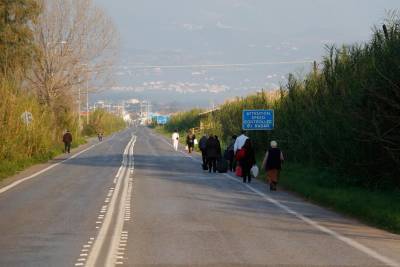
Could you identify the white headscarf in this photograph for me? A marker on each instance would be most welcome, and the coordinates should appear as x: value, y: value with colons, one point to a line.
x: 274, y: 144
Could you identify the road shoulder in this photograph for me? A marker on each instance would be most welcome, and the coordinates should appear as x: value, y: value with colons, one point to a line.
x: 42, y: 166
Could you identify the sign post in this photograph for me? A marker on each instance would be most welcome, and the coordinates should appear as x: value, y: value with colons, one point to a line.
x: 162, y: 120
x: 258, y: 120
x: 27, y: 117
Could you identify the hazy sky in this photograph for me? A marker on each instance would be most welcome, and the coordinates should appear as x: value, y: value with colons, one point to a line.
x: 181, y: 32
x: 161, y: 24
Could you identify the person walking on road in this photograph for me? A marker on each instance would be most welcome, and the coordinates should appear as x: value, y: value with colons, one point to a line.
x: 213, y: 152
x: 273, y: 164
x: 190, y: 141
x: 67, y: 139
x: 175, y: 139
x: 230, y: 154
x: 100, y: 136
x: 202, y: 147
x: 247, y: 161
x: 239, y: 142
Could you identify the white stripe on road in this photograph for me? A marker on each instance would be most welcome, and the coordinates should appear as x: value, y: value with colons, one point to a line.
x: 115, y: 240
x: 14, y: 184
x: 370, y: 252
x: 8, y: 187
x: 101, y: 238
x: 323, y: 229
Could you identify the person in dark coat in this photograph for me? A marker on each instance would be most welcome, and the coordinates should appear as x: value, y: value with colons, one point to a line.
x: 190, y: 141
x: 230, y: 154
x: 213, y: 152
x: 219, y: 147
x: 67, y: 139
x: 202, y: 147
x: 273, y: 164
x: 247, y: 161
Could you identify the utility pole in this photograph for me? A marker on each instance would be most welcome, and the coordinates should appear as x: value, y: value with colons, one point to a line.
x: 141, y: 112
x: 148, y: 114
x: 79, y: 108
x: 87, y: 101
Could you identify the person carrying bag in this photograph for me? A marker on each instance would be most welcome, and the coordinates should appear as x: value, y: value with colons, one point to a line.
x: 273, y: 164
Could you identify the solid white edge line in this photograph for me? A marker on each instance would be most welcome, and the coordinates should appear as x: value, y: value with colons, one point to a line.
x: 14, y: 184
x: 370, y: 252
x: 324, y: 229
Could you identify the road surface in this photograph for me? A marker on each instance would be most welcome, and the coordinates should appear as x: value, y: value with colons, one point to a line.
x: 133, y: 201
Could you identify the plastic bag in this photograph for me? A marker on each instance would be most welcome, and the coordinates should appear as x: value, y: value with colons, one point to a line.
x: 196, y: 142
x: 254, y: 171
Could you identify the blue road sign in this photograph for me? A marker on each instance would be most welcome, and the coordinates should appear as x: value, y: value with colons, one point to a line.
x: 162, y: 119
x: 258, y: 119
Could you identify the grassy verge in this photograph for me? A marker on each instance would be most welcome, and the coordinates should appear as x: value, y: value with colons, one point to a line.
x: 378, y: 208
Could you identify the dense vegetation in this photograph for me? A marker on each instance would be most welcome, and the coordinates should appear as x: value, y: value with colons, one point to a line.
x: 184, y: 121
x: 101, y: 121
x: 22, y: 144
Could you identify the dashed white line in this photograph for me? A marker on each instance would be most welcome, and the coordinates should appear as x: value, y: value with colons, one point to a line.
x: 121, y: 183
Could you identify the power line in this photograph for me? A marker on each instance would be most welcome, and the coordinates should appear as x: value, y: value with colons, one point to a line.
x: 220, y: 65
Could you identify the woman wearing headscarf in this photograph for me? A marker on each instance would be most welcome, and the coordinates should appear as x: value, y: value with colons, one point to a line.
x: 273, y: 164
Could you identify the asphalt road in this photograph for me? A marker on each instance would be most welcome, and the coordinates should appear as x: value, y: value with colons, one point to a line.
x: 133, y: 201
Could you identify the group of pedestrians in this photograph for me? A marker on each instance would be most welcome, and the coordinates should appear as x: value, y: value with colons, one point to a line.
x: 243, y: 159
x: 210, y: 148
x: 239, y: 156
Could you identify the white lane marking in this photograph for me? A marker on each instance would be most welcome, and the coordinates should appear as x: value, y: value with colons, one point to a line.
x: 119, y: 224
x: 370, y: 252
x: 8, y: 187
x: 14, y: 184
x: 104, y: 229
x: 119, y: 172
x: 348, y: 241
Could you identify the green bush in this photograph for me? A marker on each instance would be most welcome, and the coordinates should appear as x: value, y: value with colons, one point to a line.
x: 101, y: 121
x: 184, y: 121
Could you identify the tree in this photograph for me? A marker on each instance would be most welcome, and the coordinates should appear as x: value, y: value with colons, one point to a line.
x: 16, y: 36
x: 76, y: 42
